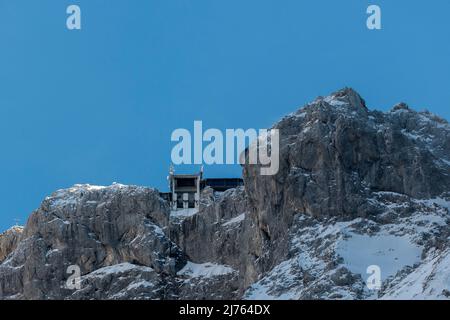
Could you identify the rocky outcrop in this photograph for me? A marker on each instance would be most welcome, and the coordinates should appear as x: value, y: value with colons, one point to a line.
x: 335, y: 154
x: 90, y: 227
x: 8, y: 241
x: 356, y: 188
x: 329, y: 258
x: 225, y: 224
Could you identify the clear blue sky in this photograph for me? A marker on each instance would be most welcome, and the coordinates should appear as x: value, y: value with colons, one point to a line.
x: 99, y: 105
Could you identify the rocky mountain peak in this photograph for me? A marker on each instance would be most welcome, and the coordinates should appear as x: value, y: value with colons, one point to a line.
x: 349, y: 97
x: 400, y: 106
x: 9, y: 240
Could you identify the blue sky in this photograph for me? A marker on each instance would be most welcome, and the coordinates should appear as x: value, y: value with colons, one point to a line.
x: 98, y: 105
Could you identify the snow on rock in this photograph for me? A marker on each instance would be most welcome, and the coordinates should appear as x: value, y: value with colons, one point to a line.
x: 120, y: 281
x: 118, y: 268
x: 206, y: 270
x: 329, y: 258
x: 312, y: 272
x: 234, y: 220
x: 285, y: 275
x: 140, y: 284
x: 71, y: 197
x: 183, y: 213
x: 390, y: 253
x: 431, y: 280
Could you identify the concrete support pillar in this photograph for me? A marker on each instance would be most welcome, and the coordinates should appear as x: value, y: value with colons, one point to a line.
x: 174, y: 201
x: 185, y: 200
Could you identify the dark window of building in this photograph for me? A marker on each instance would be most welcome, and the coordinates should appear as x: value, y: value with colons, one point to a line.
x: 186, y: 182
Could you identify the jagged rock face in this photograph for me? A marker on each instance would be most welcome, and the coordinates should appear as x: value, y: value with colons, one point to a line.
x: 121, y: 281
x: 223, y: 231
x: 212, y: 225
x: 92, y: 227
x: 328, y: 257
x: 335, y: 153
x: 8, y: 241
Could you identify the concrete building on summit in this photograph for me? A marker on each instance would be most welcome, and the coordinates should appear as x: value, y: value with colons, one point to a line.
x: 185, y: 189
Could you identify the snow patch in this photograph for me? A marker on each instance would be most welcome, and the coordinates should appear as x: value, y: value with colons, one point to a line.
x: 118, y: 268
x: 183, y: 213
x: 390, y: 253
x: 204, y: 270
x: 234, y: 220
x: 140, y: 284
x: 431, y: 280
x: 331, y: 100
x: 283, y: 275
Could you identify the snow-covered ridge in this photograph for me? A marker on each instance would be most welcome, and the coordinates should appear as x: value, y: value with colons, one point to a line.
x: 92, y: 193
x: 348, y: 103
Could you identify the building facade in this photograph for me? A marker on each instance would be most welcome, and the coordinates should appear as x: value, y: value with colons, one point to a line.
x: 185, y: 189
